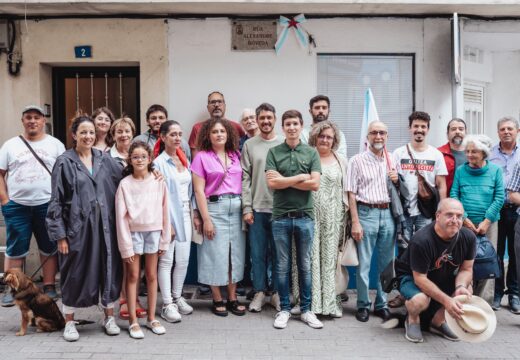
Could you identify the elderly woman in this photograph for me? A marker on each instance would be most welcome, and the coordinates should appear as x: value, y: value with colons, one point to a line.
x: 81, y: 219
x: 217, y: 182
x: 122, y: 131
x: 330, y: 207
x: 103, y: 119
x: 478, y: 185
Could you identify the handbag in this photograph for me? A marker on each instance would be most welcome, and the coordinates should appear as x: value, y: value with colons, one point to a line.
x: 347, y: 254
x: 427, y: 195
x: 340, y: 278
x: 485, y: 265
x: 388, y: 278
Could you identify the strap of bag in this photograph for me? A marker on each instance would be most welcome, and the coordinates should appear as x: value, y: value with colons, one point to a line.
x: 35, y: 155
x: 453, y: 243
x: 413, y: 160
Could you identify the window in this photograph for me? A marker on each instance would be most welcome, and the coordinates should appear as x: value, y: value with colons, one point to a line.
x: 345, y: 78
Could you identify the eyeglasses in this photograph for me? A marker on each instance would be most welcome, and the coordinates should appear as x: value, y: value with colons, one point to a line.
x: 139, y: 158
x: 216, y: 102
x: 378, y: 132
x: 326, y: 137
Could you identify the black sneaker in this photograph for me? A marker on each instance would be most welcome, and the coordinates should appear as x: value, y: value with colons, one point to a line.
x: 514, y: 304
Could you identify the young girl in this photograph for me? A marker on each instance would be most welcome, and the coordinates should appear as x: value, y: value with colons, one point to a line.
x: 140, y: 231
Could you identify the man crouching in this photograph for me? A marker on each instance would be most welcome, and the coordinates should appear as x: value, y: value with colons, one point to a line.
x: 437, y: 265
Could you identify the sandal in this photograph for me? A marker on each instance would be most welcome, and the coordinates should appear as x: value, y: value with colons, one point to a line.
x: 219, y: 304
x: 140, y: 312
x: 123, y: 313
x: 156, y: 327
x: 234, y: 307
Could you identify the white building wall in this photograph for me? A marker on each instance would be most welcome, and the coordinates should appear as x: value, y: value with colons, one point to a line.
x: 201, y: 60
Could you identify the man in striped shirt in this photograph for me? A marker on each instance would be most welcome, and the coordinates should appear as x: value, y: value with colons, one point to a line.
x: 373, y: 226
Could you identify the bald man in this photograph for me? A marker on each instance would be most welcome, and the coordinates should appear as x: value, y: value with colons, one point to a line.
x: 427, y: 269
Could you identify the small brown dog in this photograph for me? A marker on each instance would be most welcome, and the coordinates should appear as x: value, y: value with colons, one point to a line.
x: 33, y: 303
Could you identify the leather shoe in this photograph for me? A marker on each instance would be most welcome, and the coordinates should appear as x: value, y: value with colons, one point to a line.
x: 362, y: 315
x: 384, y: 314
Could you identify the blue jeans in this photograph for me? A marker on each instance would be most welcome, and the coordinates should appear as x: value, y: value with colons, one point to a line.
x: 378, y: 234
x: 303, y: 231
x: 21, y: 222
x: 261, y: 243
x: 413, y: 224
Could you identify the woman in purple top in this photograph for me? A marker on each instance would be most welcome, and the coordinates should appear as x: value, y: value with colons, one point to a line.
x: 217, y: 182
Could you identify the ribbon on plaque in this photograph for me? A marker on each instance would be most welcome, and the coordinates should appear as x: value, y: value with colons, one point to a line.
x: 294, y: 23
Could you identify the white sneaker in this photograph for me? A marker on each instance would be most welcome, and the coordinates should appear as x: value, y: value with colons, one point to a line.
x: 110, y: 326
x: 296, y: 310
x: 70, y: 333
x: 258, y: 301
x: 280, y: 322
x: 310, y: 319
x: 170, y: 313
x: 183, y: 306
x: 275, y: 301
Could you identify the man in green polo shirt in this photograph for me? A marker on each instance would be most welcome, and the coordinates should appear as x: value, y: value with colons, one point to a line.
x: 293, y: 171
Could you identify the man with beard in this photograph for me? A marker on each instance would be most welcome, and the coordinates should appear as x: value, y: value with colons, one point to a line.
x: 155, y: 116
x: 319, y: 108
x: 430, y: 163
x: 507, y: 155
x: 257, y: 204
x: 26, y: 163
x: 216, y: 109
x: 373, y: 226
x: 453, y: 151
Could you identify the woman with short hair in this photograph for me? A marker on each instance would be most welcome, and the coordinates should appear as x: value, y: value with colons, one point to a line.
x: 479, y: 186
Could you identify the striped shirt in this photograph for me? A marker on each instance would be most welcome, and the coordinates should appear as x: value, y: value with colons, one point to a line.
x: 366, y: 177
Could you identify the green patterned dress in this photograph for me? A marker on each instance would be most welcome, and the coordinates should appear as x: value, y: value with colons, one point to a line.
x: 329, y: 220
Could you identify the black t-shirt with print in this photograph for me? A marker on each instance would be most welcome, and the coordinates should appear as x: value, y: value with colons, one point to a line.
x: 427, y: 254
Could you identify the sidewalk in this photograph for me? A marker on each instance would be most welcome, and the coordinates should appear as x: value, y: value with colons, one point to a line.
x: 203, y: 335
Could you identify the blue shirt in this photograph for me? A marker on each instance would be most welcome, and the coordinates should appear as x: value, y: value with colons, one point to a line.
x: 166, y: 166
x: 506, y: 162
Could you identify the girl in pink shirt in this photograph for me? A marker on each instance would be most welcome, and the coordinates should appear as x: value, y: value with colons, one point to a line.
x: 140, y: 231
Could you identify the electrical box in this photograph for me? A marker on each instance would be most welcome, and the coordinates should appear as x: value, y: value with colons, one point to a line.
x: 3, y: 34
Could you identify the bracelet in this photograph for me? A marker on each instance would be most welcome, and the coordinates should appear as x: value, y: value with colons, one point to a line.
x: 461, y: 285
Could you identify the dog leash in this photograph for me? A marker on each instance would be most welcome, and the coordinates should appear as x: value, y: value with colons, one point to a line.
x: 43, y: 263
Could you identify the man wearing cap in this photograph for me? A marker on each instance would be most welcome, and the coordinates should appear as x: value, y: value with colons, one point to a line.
x: 436, y: 267
x: 25, y: 190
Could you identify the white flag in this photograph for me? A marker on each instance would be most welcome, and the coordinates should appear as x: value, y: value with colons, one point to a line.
x: 369, y: 115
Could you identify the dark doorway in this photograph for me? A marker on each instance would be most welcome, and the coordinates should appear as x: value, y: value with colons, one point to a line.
x: 88, y: 88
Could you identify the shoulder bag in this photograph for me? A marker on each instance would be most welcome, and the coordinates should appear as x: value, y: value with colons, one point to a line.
x: 427, y: 195
x: 34, y: 153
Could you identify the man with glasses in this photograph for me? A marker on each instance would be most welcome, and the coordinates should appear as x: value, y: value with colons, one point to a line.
x: 319, y: 108
x: 436, y: 267
x: 216, y: 109
x: 373, y: 226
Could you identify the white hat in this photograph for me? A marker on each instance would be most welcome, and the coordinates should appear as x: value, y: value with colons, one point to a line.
x: 478, y: 322
x: 33, y: 108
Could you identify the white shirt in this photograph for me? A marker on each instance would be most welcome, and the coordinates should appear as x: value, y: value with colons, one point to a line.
x: 28, y: 183
x: 430, y: 164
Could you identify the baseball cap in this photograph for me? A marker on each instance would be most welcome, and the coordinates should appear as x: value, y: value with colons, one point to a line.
x: 33, y: 108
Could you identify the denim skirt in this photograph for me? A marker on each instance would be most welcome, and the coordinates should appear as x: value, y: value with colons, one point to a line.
x: 228, y: 246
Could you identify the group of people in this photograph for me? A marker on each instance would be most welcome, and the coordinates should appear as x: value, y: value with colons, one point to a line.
x: 118, y: 199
